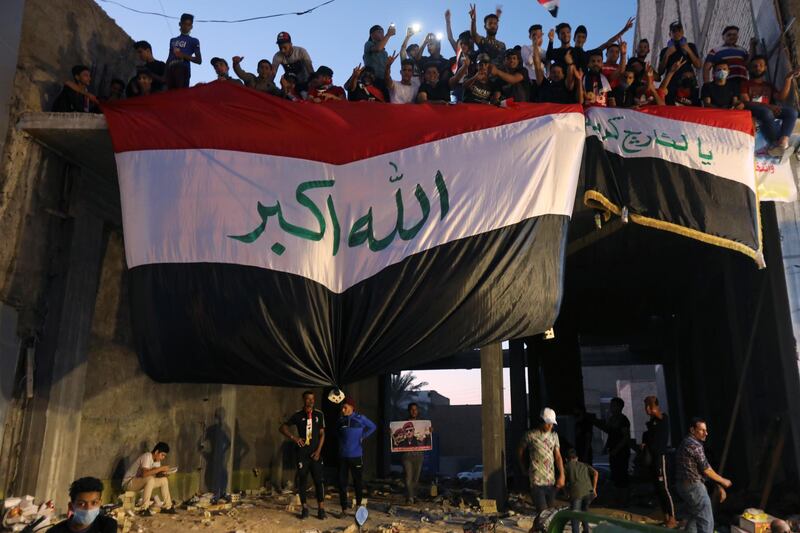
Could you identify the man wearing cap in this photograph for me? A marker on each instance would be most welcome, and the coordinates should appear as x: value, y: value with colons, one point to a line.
x: 544, y: 452
x: 295, y: 60
x: 222, y: 70
x: 677, y: 48
x: 310, y: 424
x: 352, y: 429
x: 375, y: 54
x: 183, y: 51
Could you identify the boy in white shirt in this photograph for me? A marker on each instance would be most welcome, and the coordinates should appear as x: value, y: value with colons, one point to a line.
x: 147, y: 473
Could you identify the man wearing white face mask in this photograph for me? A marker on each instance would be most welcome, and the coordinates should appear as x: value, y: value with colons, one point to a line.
x: 720, y: 93
x: 85, y: 497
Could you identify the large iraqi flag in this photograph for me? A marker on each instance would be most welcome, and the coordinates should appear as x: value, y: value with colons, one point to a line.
x: 685, y: 170
x: 272, y: 242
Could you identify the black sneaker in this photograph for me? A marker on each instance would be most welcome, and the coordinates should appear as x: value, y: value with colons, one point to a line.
x: 321, y: 514
x: 304, y: 513
x: 169, y: 510
x: 146, y: 512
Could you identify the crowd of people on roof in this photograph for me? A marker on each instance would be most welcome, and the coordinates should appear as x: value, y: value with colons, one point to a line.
x: 484, y: 70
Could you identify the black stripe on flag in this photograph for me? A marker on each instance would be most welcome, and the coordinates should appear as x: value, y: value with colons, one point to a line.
x: 673, y: 197
x: 224, y: 323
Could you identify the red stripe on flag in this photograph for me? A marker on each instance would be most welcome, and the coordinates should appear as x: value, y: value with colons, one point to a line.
x: 705, y: 116
x: 224, y: 116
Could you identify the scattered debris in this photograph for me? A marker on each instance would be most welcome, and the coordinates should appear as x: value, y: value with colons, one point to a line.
x: 22, y: 513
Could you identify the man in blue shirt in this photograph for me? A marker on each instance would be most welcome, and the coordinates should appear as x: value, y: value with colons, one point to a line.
x: 183, y: 51
x: 352, y: 429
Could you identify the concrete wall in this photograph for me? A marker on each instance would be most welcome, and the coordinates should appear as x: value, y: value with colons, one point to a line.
x: 126, y: 413
x: 119, y: 412
x: 56, y: 34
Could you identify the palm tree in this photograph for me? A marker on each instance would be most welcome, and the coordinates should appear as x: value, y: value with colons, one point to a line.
x: 402, y: 384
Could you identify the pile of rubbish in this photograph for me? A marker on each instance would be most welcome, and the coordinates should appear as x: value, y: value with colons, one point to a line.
x: 24, y: 515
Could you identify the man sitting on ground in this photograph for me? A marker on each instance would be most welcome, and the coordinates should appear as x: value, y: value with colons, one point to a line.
x: 75, y: 96
x: 405, y: 90
x: 146, y: 474
x: 85, y: 498
x: 264, y: 81
x: 762, y: 99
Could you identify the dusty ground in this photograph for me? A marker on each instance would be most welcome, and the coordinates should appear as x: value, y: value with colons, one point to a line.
x: 387, y: 514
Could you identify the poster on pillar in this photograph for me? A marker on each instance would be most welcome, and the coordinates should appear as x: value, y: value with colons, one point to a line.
x: 279, y: 243
x: 411, y: 436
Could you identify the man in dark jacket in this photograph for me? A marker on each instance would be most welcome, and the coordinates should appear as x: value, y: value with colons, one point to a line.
x: 654, y: 443
x: 352, y: 429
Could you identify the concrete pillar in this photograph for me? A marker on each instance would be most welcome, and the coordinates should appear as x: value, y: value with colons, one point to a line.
x: 519, y: 402
x: 228, y: 402
x: 493, y: 424
x: 535, y: 396
x: 59, y: 451
x: 9, y: 358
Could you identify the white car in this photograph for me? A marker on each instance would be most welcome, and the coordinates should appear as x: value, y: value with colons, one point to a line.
x: 475, y: 474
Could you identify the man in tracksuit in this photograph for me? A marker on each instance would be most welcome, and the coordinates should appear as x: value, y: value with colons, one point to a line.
x: 353, y: 428
x: 655, y: 442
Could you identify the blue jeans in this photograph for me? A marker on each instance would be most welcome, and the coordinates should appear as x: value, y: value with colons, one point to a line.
x: 543, y: 497
x: 766, y: 119
x: 701, y: 517
x: 580, y: 504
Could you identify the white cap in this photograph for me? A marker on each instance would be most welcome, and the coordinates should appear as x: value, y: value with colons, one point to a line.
x: 549, y: 416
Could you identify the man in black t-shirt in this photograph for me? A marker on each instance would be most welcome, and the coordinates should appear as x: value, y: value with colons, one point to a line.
x: 511, y: 81
x: 85, y: 498
x: 677, y: 48
x: 488, y: 44
x: 156, y: 68
x: 719, y: 93
x: 310, y: 424
x: 655, y: 442
x: 435, y: 90
x: 479, y: 88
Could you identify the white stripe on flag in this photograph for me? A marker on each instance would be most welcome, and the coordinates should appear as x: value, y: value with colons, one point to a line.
x: 723, y: 152
x: 182, y: 206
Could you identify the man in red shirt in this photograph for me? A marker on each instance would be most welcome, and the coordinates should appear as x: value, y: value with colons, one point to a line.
x: 762, y: 99
x: 321, y: 87
x: 613, y: 67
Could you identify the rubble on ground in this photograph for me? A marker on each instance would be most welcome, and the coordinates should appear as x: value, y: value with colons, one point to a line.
x: 21, y: 513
